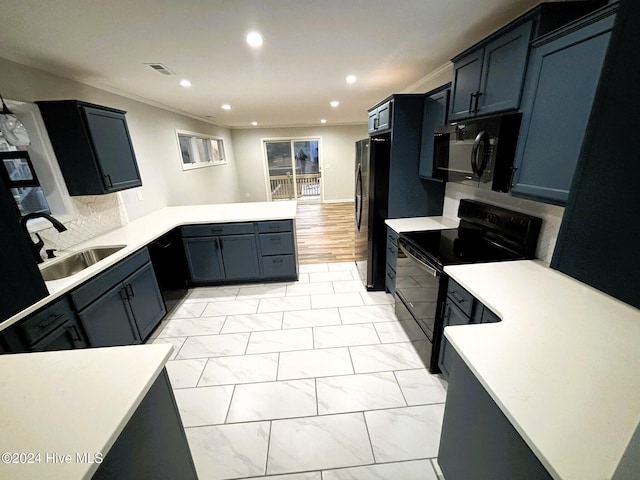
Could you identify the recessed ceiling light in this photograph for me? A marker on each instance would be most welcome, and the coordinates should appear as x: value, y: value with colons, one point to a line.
x: 335, y: 103
x: 185, y: 83
x: 254, y: 39
x: 324, y: 120
x: 254, y: 123
x: 351, y: 79
x: 226, y: 106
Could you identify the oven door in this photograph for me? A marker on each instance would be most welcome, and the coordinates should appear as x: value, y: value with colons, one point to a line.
x: 417, y: 295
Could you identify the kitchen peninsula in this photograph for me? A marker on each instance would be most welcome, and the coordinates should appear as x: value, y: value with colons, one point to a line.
x: 140, y: 232
x: 561, y: 366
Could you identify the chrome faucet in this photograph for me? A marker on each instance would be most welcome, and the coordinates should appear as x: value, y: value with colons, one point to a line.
x: 37, y: 246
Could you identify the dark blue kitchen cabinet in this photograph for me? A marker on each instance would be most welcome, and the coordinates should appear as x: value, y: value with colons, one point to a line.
x: 436, y: 105
x: 600, y: 231
x: 392, y: 261
x: 203, y: 260
x: 122, y: 305
x: 107, y: 321
x: 478, y: 441
x: 92, y: 145
x: 239, y: 257
x: 380, y: 118
x: 561, y: 84
x: 221, y: 253
x: 460, y: 308
x: 489, y: 79
x: 145, y: 300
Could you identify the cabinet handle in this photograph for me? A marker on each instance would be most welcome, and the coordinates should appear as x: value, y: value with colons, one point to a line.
x: 108, y: 179
x: 216, y: 230
x: 475, y: 108
x: 513, y: 174
x: 51, y: 319
x: 130, y: 291
x: 471, y: 102
x: 376, y: 122
x: 75, y: 335
x: 457, y: 298
x: 277, y: 260
x: 221, y: 244
x: 124, y: 294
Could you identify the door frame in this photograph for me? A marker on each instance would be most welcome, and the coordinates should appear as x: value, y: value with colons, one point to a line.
x: 291, y: 140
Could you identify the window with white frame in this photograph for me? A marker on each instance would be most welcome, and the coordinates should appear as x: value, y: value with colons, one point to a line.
x: 198, y: 150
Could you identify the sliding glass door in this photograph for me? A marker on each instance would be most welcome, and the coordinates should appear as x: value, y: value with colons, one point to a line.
x: 294, y: 169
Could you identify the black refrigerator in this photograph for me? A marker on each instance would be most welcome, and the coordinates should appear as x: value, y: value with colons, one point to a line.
x: 371, y: 205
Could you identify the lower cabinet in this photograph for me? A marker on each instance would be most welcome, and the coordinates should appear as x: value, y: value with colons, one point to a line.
x: 152, y: 444
x: 223, y: 253
x: 460, y: 308
x: 562, y: 78
x: 122, y: 305
x: 392, y: 261
x: 478, y: 441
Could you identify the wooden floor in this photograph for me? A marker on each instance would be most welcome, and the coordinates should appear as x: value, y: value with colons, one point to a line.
x: 325, y: 232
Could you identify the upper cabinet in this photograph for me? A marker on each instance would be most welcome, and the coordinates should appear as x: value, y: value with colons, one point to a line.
x: 561, y: 84
x: 436, y: 106
x: 380, y: 118
x: 488, y: 77
x: 92, y: 145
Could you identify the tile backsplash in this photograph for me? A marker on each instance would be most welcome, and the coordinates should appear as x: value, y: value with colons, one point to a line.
x: 97, y: 214
x: 551, y: 214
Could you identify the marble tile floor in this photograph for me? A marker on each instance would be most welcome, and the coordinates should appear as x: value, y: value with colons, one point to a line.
x: 311, y: 380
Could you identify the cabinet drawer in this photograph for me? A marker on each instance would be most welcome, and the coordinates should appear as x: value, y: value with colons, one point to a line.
x: 489, y: 317
x: 276, y: 243
x: 94, y: 288
x: 275, y: 226
x: 46, y: 321
x: 460, y: 297
x: 279, y: 266
x: 390, y: 280
x: 216, y: 229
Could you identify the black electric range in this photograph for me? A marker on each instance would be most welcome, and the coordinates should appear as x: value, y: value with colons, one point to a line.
x: 487, y: 233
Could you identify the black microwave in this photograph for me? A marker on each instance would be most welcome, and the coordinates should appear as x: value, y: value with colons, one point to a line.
x: 477, y: 152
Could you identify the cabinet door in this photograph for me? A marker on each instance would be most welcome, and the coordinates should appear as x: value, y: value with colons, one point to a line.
x: 203, y: 259
x: 384, y: 116
x: 240, y: 257
x: 503, y: 69
x: 466, y: 82
x: 114, y: 152
x: 107, y: 321
x: 145, y: 300
x: 452, y: 316
x: 556, y: 111
x: 435, y: 115
x: 373, y: 120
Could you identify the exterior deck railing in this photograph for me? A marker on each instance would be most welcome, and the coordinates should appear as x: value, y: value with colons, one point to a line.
x: 306, y: 185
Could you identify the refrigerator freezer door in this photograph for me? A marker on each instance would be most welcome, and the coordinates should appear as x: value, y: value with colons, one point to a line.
x: 362, y: 208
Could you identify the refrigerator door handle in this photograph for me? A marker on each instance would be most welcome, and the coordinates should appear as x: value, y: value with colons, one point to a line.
x: 358, y: 204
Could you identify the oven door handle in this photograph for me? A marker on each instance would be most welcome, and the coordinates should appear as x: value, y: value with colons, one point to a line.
x: 428, y: 268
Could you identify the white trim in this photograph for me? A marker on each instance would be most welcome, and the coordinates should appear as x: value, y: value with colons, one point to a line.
x: 45, y: 162
x: 419, y: 86
x: 194, y: 152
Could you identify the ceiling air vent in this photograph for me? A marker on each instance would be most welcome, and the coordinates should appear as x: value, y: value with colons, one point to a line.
x: 160, y: 68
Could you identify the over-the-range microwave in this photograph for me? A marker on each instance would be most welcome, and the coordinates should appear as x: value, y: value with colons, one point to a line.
x: 477, y: 152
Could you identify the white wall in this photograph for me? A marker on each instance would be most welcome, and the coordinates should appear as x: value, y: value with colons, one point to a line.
x: 338, y: 158
x: 152, y: 132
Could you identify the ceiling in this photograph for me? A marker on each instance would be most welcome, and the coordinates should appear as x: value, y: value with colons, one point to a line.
x: 309, y: 48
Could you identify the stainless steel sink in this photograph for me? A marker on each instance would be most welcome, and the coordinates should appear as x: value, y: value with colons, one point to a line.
x: 76, y: 262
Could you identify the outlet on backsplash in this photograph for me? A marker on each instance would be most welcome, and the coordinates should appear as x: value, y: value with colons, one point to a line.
x: 96, y: 214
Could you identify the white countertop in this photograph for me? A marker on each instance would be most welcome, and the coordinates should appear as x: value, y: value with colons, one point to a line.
x: 144, y: 230
x: 562, y: 365
x: 415, y: 224
x: 68, y: 402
